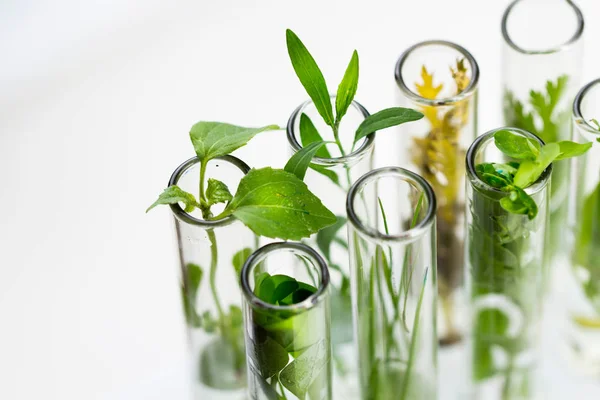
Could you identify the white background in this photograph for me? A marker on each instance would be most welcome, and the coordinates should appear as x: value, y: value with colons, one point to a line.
x: 96, y: 99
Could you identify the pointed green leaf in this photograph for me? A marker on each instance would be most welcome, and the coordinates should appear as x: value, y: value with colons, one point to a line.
x: 326, y: 236
x: 309, y: 134
x: 217, y: 192
x: 239, y: 259
x: 173, y: 195
x: 332, y: 175
x: 347, y: 88
x: 306, y: 368
x: 276, y: 204
x: 310, y: 76
x: 215, y: 139
x: 385, y: 119
x: 299, y: 162
x: 595, y: 122
x: 515, y: 145
x: 571, y: 149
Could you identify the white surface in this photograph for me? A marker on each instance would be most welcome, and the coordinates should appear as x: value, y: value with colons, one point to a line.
x: 96, y: 99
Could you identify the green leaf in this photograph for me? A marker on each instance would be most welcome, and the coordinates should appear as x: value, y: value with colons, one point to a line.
x: 385, y: 119
x: 595, y: 122
x: 298, y: 376
x: 529, y: 171
x: 571, y: 149
x: 217, y: 192
x: 276, y: 204
x: 519, y: 202
x: 189, y: 291
x: 220, y: 367
x: 347, y: 88
x: 310, y: 76
x: 309, y: 134
x: 299, y: 162
x: 331, y: 175
x: 239, y: 259
x: 326, y: 236
x: 270, y: 357
x: 173, y: 195
x: 215, y: 139
x: 515, y: 145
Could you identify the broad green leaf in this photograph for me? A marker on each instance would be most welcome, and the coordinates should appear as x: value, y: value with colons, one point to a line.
x: 529, y: 171
x: 298, y: 376
x: 516, y: 146
x: 328, y: 173
x: 571, y: 149
x: 189, y: 291
x: 215, y: 139
x: 309, y: 134
x: 519, y: 202
x: 239, y: 259
x: 299, y: 162
x: 217, y: 192
x: 385, y: 119
x: 222, y: 366
x: 326, y: 236
x: 173, y: 195
x: 276, y: 204
x: 347, y: 88
x: 270, y: 357
x: 310, y: 76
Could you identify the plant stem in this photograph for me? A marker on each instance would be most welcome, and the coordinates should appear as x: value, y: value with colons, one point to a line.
x: 336, y: 135
x: 214, y: 252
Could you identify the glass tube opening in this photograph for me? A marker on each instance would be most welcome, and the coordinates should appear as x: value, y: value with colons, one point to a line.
x: 228, y: 169
x: 587, y: 107
x: 483, y: 149
x: 542, y: 26
x: 441, y: 55
x: 352, y: 119
x: 295, y: 260
x: 407, y: 201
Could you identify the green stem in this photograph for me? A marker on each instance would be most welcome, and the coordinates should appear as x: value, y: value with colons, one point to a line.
x: 336, y: 135
x: 214, y: 255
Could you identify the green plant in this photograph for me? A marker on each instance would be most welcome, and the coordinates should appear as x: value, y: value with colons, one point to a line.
x: 586, y: 253
x: 311, y: 78
x: 271, y: 202
x: 505, y: 234
x: 389, y: 334
x: 289, y: 348
x: 546, y: 114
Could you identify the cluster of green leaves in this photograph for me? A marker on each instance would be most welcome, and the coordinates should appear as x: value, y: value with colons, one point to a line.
x: 288, y: 348
x: 515, y: 176
x: 272, y: 202
x: 312, y: 79
x: 544, y: 108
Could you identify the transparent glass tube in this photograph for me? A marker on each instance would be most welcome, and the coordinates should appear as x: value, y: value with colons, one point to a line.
x: 583, y: 279
x: 541, y: 69
x: 393, y: 278
x: 505, y: 258
x: 210, y: 254
x: 440, y: 79
x: 288, y: 346
x: 330, y: 177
